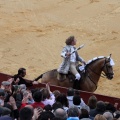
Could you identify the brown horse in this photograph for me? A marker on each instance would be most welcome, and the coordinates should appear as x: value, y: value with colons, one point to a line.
x: 90, y: 76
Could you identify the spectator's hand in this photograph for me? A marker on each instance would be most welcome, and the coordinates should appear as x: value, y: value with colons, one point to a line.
x: 10, y: 80
x: 17, y: 81
x: 7, y: 88
x: 48, y: 87
x: 37, y: 112
x: 12, y: 102
x: 30, y: 96
x: 25, y: 98
x: 116, y: 105
x: 35, y: 82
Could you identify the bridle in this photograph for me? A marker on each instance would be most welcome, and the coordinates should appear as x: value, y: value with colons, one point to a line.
x: 107, y: 74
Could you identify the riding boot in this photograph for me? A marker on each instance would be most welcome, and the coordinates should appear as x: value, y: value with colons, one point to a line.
x: 76, y: 84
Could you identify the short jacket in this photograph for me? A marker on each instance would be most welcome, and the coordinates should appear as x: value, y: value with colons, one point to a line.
x: 65, y: 65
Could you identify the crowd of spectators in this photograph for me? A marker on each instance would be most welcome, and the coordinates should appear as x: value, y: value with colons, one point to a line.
x: 18, y: 102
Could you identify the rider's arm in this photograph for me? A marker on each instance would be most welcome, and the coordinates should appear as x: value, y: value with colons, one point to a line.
x: 80, y: 59
x: 64, y: 52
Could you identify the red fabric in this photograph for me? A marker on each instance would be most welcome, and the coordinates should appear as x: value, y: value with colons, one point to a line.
x: 23, y: 105
x: 38, y: 104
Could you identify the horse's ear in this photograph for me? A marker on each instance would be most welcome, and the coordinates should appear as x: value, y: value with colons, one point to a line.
x: 109, y: 57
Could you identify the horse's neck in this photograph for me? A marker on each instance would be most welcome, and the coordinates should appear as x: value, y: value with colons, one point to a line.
x: 95, y: 70
x: 97, y: 66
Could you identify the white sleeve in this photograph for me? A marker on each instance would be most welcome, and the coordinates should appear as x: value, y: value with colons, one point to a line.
x: 63, y: 53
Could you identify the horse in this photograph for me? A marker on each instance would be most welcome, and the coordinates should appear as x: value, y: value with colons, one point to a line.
x: 94, y: 69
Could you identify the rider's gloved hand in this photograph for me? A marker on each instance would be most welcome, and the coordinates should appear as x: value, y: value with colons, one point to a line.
x: 84, y: 62
x: 68, y: 54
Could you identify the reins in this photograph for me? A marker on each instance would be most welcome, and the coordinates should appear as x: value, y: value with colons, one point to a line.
x: 97, y: 73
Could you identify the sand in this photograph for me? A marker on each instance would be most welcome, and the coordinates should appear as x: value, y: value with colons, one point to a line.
x: 33, y: 32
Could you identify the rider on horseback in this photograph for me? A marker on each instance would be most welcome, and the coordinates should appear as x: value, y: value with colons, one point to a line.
x: 70, y: 58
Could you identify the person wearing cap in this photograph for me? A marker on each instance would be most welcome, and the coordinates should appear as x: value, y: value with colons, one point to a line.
x: 70, y: 61
x: 6, y: 85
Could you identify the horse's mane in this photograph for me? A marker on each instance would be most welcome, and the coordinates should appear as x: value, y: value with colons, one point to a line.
x: 93, y: 60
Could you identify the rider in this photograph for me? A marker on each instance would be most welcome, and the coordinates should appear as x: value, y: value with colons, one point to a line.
x: 70, y: 61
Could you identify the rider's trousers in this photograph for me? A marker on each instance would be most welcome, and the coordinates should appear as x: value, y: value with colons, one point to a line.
x: 74, y: 71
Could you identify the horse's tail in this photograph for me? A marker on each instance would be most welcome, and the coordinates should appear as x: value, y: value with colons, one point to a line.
x: 36, y: 79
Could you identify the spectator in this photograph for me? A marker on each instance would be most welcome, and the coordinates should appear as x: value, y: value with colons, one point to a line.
x: 73, y: 113
x: 70, y: 94
x: 26, y: 113
x: 117, y: 114
x: 56, y: 93
x: 2, y: 97
x: 57, y: 105
x: 5, y: 111
x: 84, y: 115
x: 18, y: 79
x: 6, y: 85
x: 100, y: 109
x: 92, y: 101
x: 28, y: 94
x: 62, y: 98
x: 87, y: 108
x: 27, y: 99
x: 7, y: 102
x: 99, y: 117
x: 60, y: 113
x: 46, y: 115
x: 37, y: 96
x: 6, y: 118
x: 48, y: 108
x: 15, y: 112
x: 55, y: 118
x: 108, y: 115
x: 48, y: 97
x: 110, y: 107
x: 77, y: 101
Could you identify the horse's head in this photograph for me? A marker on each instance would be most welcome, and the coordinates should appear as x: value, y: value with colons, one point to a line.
x: 108, y: 68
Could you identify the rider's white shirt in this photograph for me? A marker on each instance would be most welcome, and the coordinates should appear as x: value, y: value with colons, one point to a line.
x: 73, y: 55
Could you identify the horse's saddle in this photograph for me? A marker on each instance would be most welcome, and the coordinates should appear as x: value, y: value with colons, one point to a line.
x: 62, y: 77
